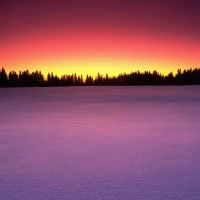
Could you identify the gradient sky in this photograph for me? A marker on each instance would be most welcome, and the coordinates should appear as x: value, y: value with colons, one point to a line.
x: 106, y: 36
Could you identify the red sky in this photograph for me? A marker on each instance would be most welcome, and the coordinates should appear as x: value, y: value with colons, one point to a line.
x: 107, y: 36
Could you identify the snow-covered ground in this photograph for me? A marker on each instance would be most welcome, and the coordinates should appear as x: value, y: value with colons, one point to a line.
x: 100, y: 143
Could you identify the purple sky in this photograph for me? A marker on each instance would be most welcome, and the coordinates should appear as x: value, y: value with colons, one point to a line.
x: 172, y: 17
x: 143, y: 34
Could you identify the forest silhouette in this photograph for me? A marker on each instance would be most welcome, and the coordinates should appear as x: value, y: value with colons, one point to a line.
x: 36, y: 79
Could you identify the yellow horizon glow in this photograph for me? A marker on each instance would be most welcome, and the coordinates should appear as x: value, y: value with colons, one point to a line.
x: 103, y: 66
x: 98, y: 52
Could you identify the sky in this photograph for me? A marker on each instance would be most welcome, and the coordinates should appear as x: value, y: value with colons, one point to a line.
x: 105, y: 36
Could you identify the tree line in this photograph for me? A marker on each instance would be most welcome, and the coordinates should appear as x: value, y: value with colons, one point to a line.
x: 36, y: 79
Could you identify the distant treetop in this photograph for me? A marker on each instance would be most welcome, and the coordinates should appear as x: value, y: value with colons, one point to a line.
x: 36, y: 79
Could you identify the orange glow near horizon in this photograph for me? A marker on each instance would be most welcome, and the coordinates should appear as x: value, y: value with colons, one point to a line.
x: 92, y: 51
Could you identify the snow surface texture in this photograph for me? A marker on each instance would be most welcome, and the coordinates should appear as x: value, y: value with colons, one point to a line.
x: 100, y: 143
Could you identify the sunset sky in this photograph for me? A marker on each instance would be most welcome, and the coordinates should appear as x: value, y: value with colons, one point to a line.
x: 106, y: 36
